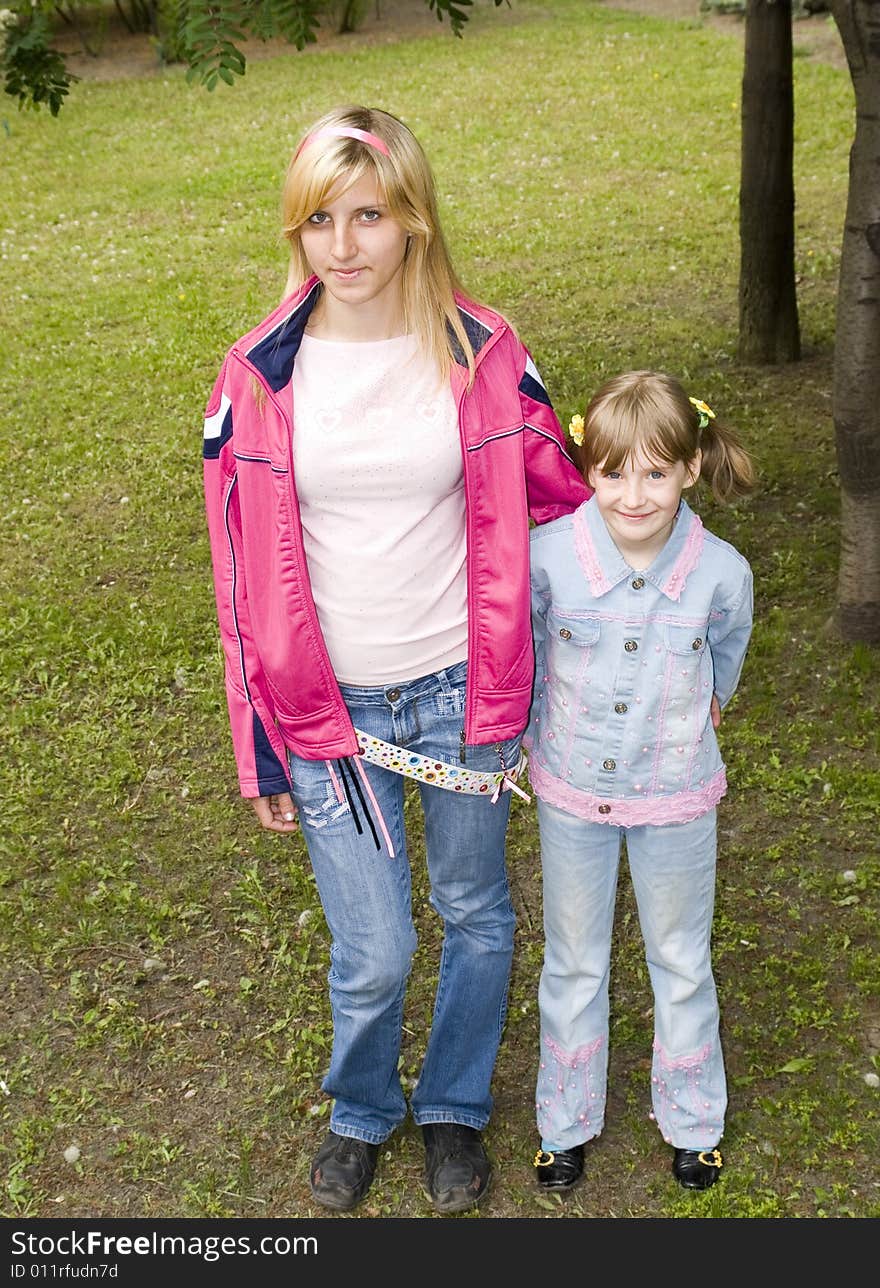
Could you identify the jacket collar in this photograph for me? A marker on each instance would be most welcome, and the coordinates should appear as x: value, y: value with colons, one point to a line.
x: 477, y: 328
x: 605, y: 567
x: 273, y: 345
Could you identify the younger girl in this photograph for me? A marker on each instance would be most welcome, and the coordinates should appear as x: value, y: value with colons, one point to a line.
x: 641, y: 619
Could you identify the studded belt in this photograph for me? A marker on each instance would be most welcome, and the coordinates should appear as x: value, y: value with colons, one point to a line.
x: 438, y: 773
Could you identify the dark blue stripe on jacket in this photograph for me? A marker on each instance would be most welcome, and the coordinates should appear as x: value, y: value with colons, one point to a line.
x: 271, y: 778
x: 534, y: 390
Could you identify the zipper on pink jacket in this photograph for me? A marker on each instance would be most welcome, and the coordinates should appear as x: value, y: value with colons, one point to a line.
x: 469, y: 687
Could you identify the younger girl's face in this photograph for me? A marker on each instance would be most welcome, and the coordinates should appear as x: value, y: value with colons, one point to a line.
x: 639, y: 502
x: 357, y: 249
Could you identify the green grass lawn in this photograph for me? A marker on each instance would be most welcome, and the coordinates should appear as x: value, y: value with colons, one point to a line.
x: 164, y: 962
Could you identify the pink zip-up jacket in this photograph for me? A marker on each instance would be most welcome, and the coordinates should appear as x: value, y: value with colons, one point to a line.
x: 280, y: 687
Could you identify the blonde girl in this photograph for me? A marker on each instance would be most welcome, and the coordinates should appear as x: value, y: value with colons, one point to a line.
x: 374, y: 449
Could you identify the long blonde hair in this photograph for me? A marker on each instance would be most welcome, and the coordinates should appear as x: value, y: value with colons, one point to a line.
x: 331, y: 165
x: 649, y: 411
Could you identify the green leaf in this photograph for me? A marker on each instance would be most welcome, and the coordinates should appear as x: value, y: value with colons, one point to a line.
x: 546, y: 1204
x: 797, y: 1065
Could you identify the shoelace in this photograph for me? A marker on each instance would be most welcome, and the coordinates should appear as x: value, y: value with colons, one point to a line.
x: 350, y: 1148
x: 451, y: 1139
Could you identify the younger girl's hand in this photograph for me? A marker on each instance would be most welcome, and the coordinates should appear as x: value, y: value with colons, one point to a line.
x: 277, y: 813
x: 715, y: 711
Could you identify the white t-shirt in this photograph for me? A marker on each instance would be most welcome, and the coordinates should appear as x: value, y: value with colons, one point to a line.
x: 378, y: 472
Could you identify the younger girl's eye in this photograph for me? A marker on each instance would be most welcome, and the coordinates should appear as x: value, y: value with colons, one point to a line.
x: 612, y: 474
x: 656, y: 474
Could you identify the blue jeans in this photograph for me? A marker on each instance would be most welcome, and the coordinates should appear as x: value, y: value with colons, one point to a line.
x: 673, y: 875
x: 366, y: 897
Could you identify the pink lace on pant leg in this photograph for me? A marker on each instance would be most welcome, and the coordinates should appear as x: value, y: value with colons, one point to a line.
x: 681, y: 1106
x: 570, y: 1102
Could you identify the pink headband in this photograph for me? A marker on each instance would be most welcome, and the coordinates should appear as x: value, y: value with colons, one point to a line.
x: 345, y: 132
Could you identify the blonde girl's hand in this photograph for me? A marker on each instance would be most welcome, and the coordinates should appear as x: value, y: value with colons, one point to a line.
x: 715, y: 711
x: 276, y: 813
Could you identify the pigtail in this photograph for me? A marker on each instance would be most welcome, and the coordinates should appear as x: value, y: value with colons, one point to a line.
x: 726, y: 465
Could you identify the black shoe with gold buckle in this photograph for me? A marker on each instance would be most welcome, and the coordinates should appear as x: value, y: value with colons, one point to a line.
x: 560, y: 1170
x: 697, y: 1169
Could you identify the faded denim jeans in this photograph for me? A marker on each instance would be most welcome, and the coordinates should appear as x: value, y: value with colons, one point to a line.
x: 366, y: 897
x: 673, y: 875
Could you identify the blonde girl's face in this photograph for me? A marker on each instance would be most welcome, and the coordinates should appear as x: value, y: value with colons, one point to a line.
x: 639, y: 502
x: 356, y: 247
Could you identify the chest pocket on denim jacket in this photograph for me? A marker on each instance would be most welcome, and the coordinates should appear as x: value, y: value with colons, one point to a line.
x: 687, y: 641
x: 567, y: 637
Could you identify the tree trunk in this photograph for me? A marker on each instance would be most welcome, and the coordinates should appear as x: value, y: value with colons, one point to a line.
x: 768, y: 317
x: 856, y: 395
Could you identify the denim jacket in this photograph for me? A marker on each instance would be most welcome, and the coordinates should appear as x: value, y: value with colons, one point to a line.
x: 626, y: 665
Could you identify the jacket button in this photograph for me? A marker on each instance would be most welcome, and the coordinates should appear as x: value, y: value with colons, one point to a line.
x: 638, y: 583
x: 565, y: 633
x: 630, y: 646
x: 609, y: 764
x: 698, y: 643
x: 392, y: 695
x: 621, y: 708
x: 604, y: 809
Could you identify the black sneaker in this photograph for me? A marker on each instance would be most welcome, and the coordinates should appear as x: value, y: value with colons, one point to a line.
x: 457, y: 1170
x: 342, y: 1171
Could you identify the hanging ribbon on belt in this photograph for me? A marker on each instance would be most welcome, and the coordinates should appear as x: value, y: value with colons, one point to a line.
x: 351, y: 781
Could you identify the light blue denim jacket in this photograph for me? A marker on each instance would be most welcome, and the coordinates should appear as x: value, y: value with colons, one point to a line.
x: 626, y: 665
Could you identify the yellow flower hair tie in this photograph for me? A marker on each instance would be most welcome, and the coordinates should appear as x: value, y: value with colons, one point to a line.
x: 704, y: 410
x: 576, y: 430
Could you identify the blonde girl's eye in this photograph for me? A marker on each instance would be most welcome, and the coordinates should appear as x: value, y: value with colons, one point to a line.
x: 318, y: 219
x: 370, y: 216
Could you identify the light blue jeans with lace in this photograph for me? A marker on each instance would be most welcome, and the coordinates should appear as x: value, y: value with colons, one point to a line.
x: 673, y: 875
